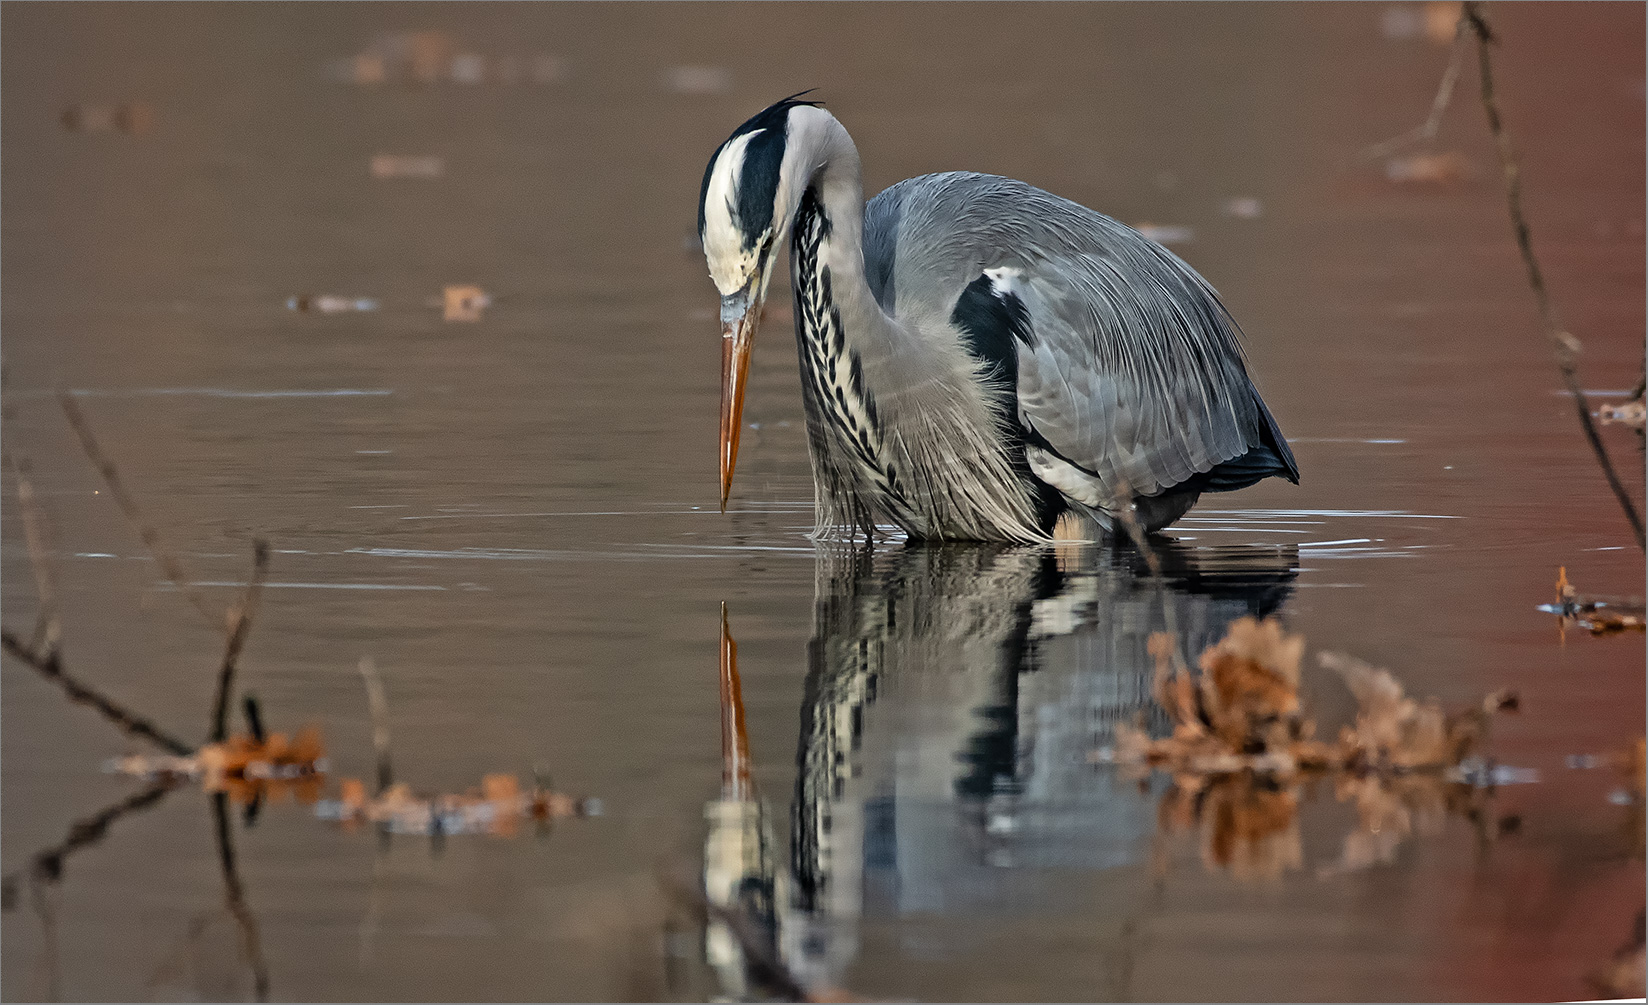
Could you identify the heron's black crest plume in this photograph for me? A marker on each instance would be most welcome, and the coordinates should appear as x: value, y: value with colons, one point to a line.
x: 758, y: 176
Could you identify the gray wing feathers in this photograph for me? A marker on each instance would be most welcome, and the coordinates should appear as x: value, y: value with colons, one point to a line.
x: 1135, y: 373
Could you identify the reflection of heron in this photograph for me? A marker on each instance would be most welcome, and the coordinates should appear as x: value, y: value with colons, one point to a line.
x: 977, y: 355
x: 953, y: 695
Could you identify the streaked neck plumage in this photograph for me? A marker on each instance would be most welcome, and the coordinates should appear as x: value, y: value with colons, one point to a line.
x: 898, y: 425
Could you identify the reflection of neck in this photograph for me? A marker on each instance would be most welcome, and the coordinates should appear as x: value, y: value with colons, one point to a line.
x: 735, y: 743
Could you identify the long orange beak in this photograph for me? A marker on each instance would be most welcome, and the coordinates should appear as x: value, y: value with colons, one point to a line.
x: 737, y: 335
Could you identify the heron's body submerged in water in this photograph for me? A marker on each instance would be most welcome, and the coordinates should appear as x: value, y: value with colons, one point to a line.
x: 978, y: 356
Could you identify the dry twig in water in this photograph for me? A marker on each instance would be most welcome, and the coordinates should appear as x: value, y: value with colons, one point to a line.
x: 168, y: 562
x: 379, y: 704
x: 1426, y: 131
x: 130, y: 723
x: 239, y: 626
x: 1566, y: 346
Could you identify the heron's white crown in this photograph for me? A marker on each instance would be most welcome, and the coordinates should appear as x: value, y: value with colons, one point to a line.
x: 732, y: 263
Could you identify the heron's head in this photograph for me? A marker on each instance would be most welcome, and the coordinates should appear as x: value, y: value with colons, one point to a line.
x: 745, y: 209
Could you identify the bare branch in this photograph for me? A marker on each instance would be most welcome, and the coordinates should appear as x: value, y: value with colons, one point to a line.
x: 240, y: 626
x: 1565, y: 345
x: 48, y: 630
x: 1426, y: 131
x: 168, y: 562
x: 50, y: 666
x: 378, y: 702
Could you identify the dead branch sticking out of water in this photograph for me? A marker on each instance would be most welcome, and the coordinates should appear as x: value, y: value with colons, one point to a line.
x: 47, y: 629
x: 163, y: 556
x: 50, y: 666
x: 1426, y: 131
x: 378, y: 702
x: 1565, y: 345
x: 240, y: 625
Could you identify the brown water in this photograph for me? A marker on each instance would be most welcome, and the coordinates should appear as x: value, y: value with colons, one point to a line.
x: 515, y: 517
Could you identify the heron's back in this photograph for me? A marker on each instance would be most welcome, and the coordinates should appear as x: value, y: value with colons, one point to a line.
x: 1152, y: 388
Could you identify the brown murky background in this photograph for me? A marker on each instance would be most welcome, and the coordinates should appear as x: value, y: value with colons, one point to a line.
x: 515, y: 517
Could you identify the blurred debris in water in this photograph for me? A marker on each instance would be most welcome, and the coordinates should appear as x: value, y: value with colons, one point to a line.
x: 242, y: 758
x: 698, y: 79
x: 135, y: 118
x: 1242, y: 207
x: 463, y: 303
x: 407, y: 166
x: 1446, y: 168
x: 1632, y: 414
x: 498, y: 807
x: 426, y: 58
x: 1433, y: 21
x: 1599, y: 615
x: 327, y: 303
x: 1625, y: 976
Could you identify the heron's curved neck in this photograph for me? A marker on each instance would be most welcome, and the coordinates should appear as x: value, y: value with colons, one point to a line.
x: 830, y: 211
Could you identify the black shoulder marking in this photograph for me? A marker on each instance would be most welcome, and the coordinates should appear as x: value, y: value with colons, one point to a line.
x: 758, y: 186
x: 990, y: 324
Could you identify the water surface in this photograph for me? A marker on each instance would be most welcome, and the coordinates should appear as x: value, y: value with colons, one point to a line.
x: 515, y: 516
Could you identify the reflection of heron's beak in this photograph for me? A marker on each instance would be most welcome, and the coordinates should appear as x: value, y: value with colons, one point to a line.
x: 739, y: 313
x: 735, y: 742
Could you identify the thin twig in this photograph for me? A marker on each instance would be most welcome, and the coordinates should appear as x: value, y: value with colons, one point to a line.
x: 47, y: 629
x: 240, y: 627
x: 47, y: 864
x: 1566, y: 346
x: 168, y: 562
x: 378, y: 702
x: 50, y: 666
x: 1426, y: 131
x: 234, y: 896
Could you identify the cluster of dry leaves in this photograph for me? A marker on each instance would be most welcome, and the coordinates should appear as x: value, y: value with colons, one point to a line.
x: 1242, y: 753
x: 243, y: 766
x: 1242, y: 713
x: 498, y: 807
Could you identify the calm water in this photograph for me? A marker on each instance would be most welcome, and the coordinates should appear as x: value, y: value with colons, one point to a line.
x: 516, y: 518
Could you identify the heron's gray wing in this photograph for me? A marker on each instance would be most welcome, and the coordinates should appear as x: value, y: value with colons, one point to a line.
x: 1132, y: 371
x: 1133, y: 374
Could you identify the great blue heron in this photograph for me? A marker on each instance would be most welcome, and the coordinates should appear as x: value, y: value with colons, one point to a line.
x: 978, y: 356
